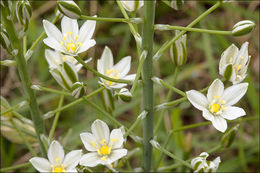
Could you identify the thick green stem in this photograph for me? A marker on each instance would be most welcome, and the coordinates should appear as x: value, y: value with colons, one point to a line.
x: 147, y: 44
x: 25, y: 78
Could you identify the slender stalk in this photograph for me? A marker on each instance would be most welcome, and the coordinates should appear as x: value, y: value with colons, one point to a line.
x: 23, y: 165
x: 10, y: 109
x: 194, y: 22
x: 132, y: 127
x: 24, y: 44
x: 147, y: 44
x: 99, y: 74
x: 52, y: 90
x: 25, y: 78
x: 106, y: 19
x: 172, y: 88
x: 162, y: 27
x: 55, y: 121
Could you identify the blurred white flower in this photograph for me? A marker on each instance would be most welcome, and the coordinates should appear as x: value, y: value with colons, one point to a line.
x: 105, y: 66
x: 132, y: 5
x: 200, y: 164
x: 56, y: 161
x: 105, y: 147
x: 238, y: 59
x: 71, y: 40
x: 217, y: 106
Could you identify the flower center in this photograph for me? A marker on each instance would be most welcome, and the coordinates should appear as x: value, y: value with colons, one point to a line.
x: 217, y: 105
x: 70, y: 43
x: 113, y: 74
x: 71, y: 47
x: 60, y: 168
x: 214, y: 108
x: 105, y: 150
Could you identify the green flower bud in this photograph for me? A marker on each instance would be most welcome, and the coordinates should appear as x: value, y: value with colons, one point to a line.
x: 108, y: 100
x: 78, y: 89
x: 243, y: 27
x: 5, y: 42
x: 23, y: 13
x: 178, y: 50
x: 7, y: 4
x: 125, y: 95
x: 228, y: 137
x: 69, y: 8
x: 177, y: 4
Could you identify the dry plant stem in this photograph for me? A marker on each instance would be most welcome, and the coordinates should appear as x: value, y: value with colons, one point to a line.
x: 147, y: 44
x: 25, y: 78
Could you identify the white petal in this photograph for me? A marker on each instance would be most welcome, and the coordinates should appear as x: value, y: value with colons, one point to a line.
x: 57, y: 78
x: 90, y: 159
x: 106, y: 59
x: 100, y: 130
x: 72, y: 170
x: 51, y: 30
x: 242, y: 56
x: 233, y: 76
x: 117, y: 85
x: 69, y: 25
x: 55, y: 153
x: 216, y: 161
x: 215, y: 89
x: 116, y: 154
x: 52, y: 58
x: 219, y: 123
x: 86, y: 45
x: 233, y: 112
x: 197, y: 99
x: 51, y: 42
x: 128, y: 5
x: 207, y: 115
x: 123, y: 66
x: 130, y: 77
x: 89, y: 140
x: 116, y: 139
x: 71, y: 159
x: 234, y: 93
x: 86, y: 31
x: 41, y: 164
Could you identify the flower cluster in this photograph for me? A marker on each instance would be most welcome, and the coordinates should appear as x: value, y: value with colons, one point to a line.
x: 104, y: 148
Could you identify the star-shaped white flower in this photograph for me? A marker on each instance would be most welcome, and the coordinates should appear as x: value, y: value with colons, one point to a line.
x: 200, y: 164
x: 239, y: 59
x: 105, y: 147
x: 132, y: 5
x: 105, y: 66
x: 57, y: 162
x: 217, y: 106
x: 71, y: 40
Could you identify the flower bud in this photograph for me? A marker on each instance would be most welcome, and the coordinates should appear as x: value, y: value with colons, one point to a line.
x: 5, y: 42
x: 228, y: 137
x: 7, y: 4
x: 177, y: 4
x: 178, y: 50
x: 125, y: 95
x: 132, y: 5
x: 78, y: 89
x: 243, y: 27
x: 5, y: 105
x: 8, y: 62
x: 23, y: 13
x: 69, y: 8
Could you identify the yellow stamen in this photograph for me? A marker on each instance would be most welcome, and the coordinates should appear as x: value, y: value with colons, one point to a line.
x: 76, y: 37
x: 93, y: 144
x: 80, y: 43
x: 223, y: 107
x: 57, y: 159
x: 61, y: 43
x: 214, y: 108
x: 216, y: 97
x: 65, y: 58
x: 238, y: 67
x: 103, y: 158
x: 114, y: 140
x: 71, y: 46
x: 69, y: 33
x: 64, y: 38
x: 105, y: 150
x: 103, y: 141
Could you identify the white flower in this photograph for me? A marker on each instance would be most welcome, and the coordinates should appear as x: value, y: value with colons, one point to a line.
x: 217, y: 106
x: 105, y: 147
x: 239, y: 60
x: 63, y: 68
x: 72, y: 40
x: 105, y: 66
x: 56, y: 161
x: 200, y: 164
x: 132, y: 5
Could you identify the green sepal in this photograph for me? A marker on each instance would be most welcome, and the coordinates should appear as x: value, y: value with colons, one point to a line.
x: 70, y: 72
x: 228, y: 137
x: 228, y: 72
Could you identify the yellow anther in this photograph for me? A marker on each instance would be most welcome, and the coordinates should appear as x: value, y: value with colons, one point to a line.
x: 93, y: 144
x: 69, y: 33
x: 103, y: 141
x: 105, y: 150
x: 108, y: 72
x: 214, y: 108
x: 114, y: 140
x: 115, y: 71
x: 64, y: 58
x: 58, y: 169
x: 71, y: 46
x: 64, y: 38
x: 222, y: 101
x: 76, y: 37
x: 80, y: 43
x: 61, y: 43
x: 103, y: 158
x: 216, y: 97
x: 238, y: 67
x: 57, y: 159
x: 223, y: 107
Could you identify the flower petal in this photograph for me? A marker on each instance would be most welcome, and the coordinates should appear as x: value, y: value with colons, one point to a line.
x: 89, y: 141
x: 86, y: 31
x: 207, y: 115
x: 197, y: 99
x: 128, y: 5
x: 233, y: 112
x: 52, y: 58
x: 106, y: 60
x: 86, y: 45
x: 69, y: 25
x: 51, y: 30
x: 234, y: 93
x: 71, y: 160
x: 74, y: 170
x: 90, y: 159
x: 55, y: 153
x: 219, y: 123
x: 41, y: 164
x: 242, y: 56
x: 117, y: 85
x: 123, y: 66
x: 116, y: 154
x: 51, y: 42
x: 100, y: 130
x: 116, y: 139
x: 215, y: 89
x: 130, y: 77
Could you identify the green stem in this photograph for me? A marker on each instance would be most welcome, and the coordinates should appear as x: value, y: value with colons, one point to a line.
x: 99, y: 74
x: 28, y: 145
x: 161, y: 27
x: 18, y: 106
x: 194, y: 22
x: 25, y: 78
x: 52, y: 90
x: 24, y: 44
x: 147, y: 44
x: 132, y: 127
x: 23, y: 165
x: 55, y: 121
x: 106, y: 19
x: 172, y: 88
